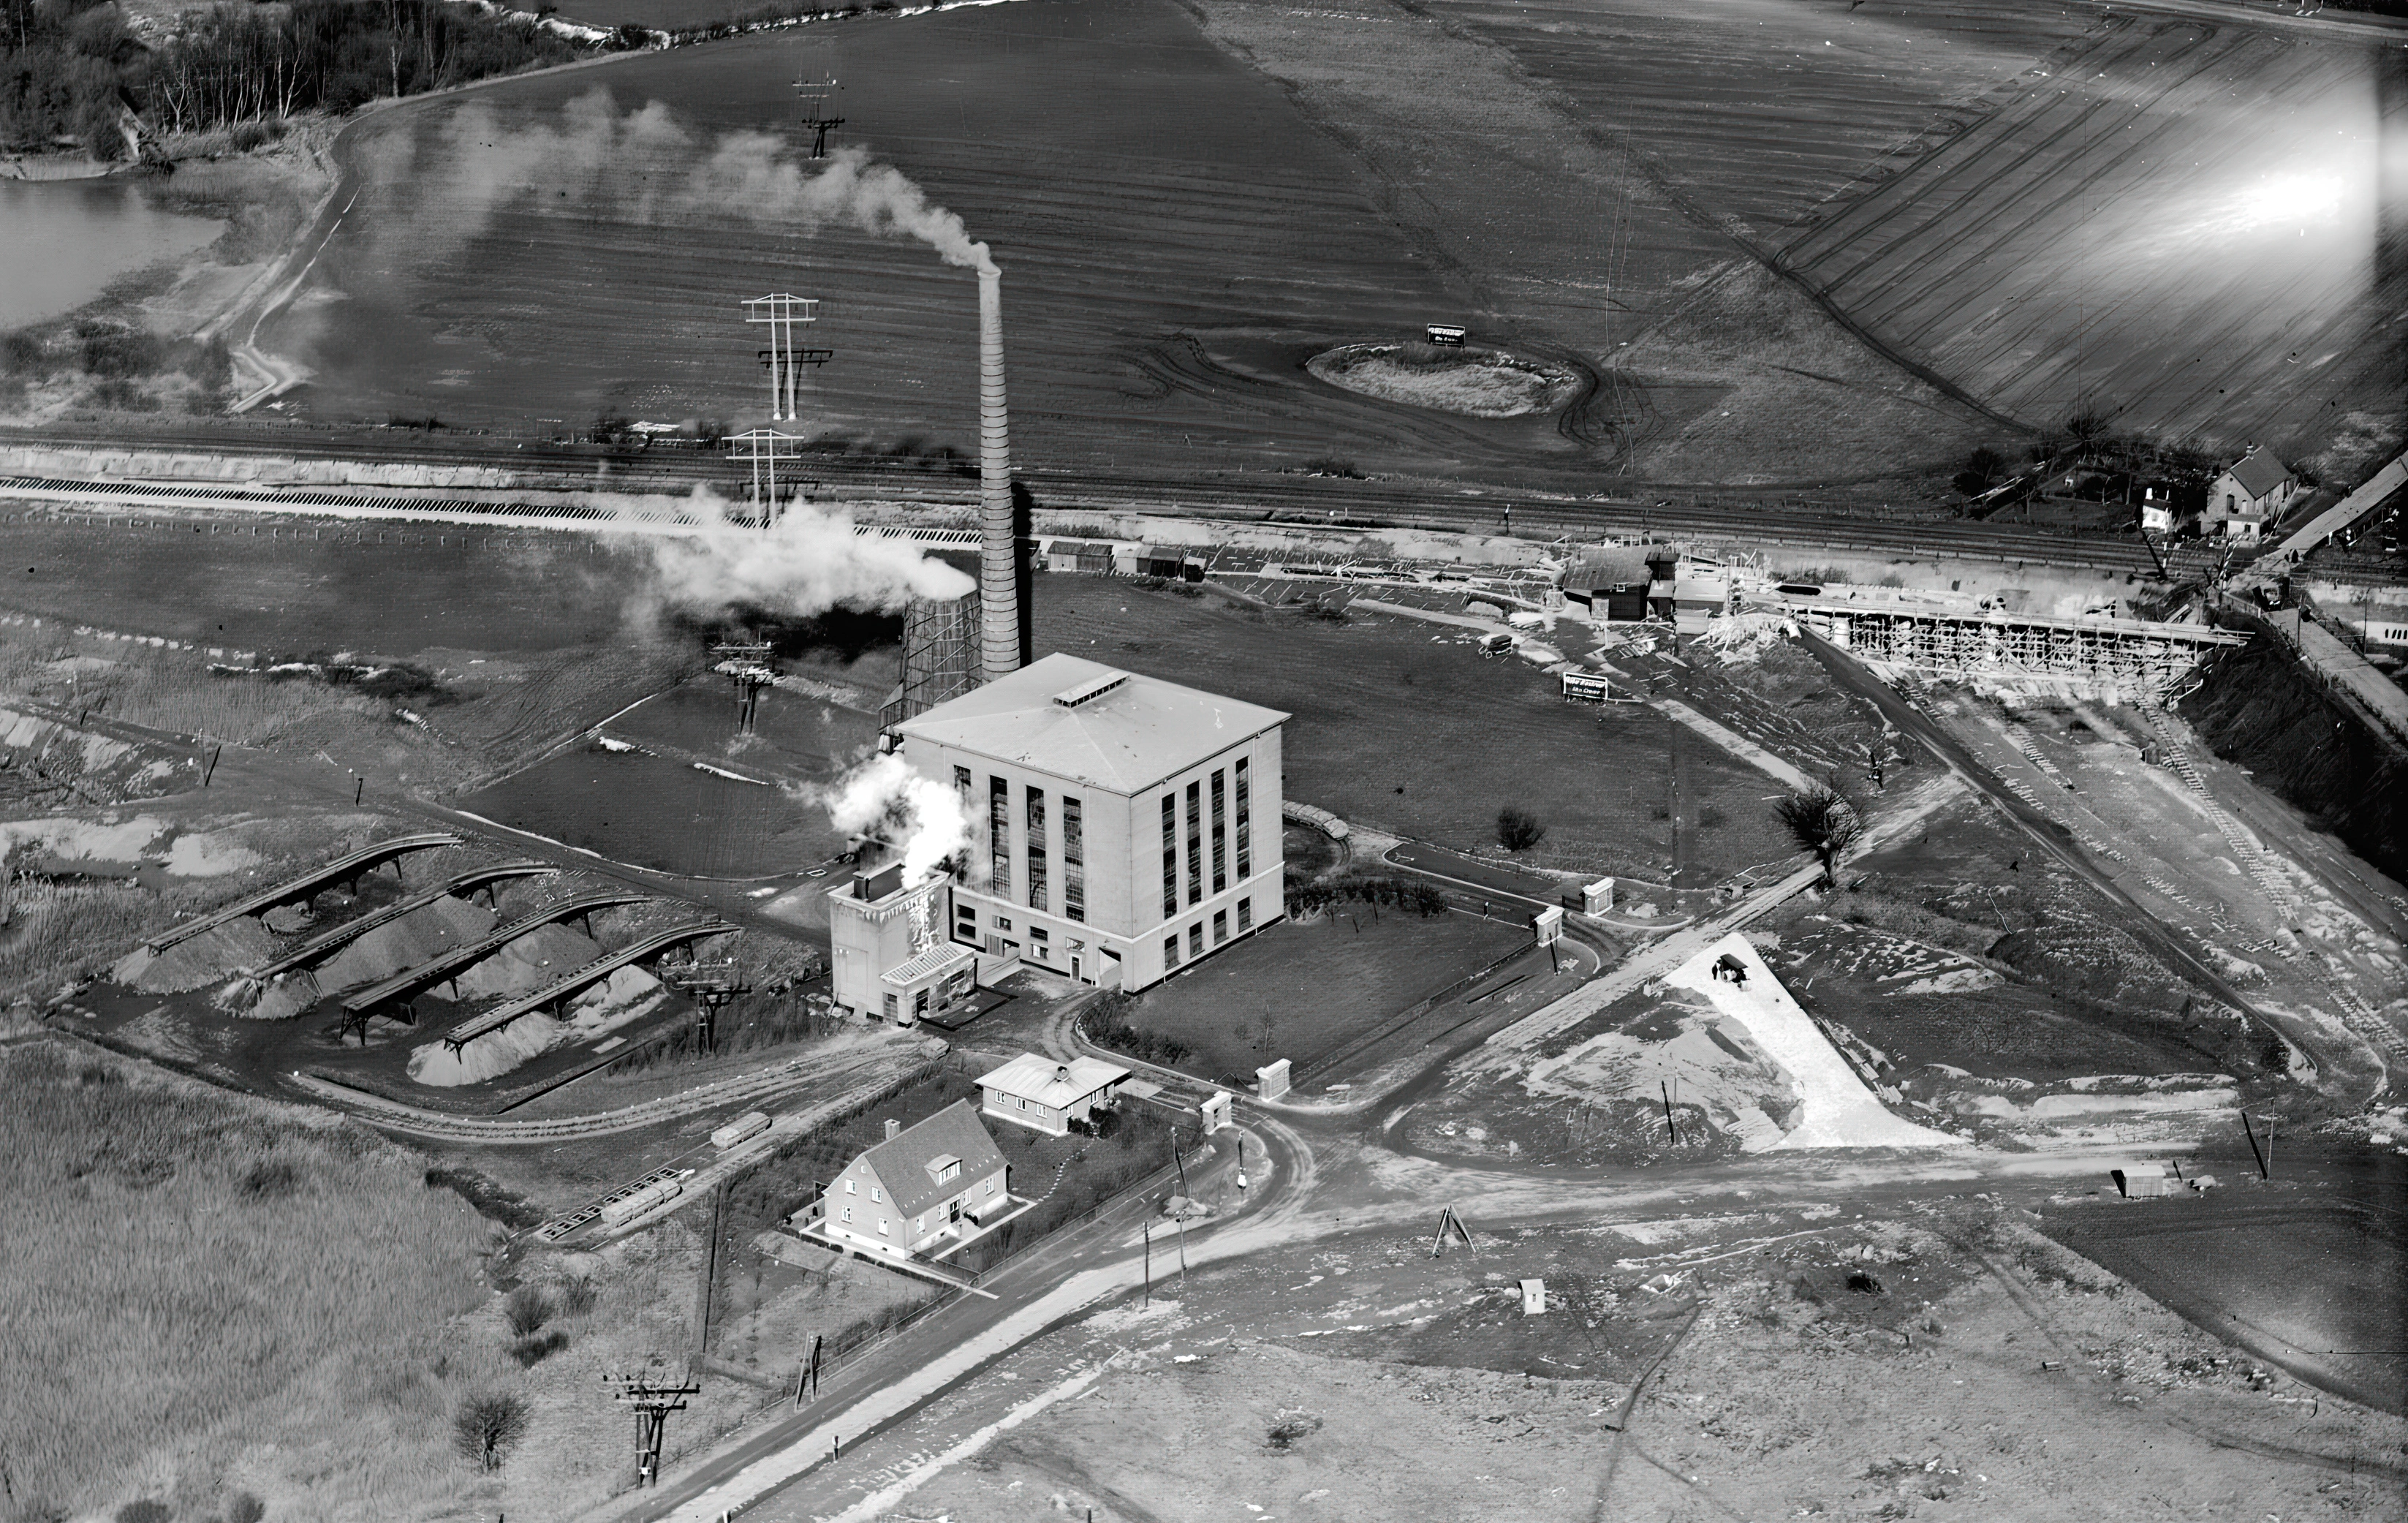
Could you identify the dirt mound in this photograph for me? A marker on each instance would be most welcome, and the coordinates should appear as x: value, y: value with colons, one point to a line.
x: 2258, y: 708
x: 1475, y: 382
x: 529, y: 963
x: 625, y: 996
x: 197, y: 962
x: 40, y: 755
x: 405, y: 942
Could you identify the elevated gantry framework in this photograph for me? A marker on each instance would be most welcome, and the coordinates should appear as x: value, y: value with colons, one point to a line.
x: 2143, y: 660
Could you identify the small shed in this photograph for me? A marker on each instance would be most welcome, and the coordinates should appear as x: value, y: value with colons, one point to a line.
x: 1534, y: 1298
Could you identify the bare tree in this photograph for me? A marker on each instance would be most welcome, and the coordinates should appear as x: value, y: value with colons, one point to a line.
x: 1518, y: 830
x: 1820, y: 821
x: 487, y: 1425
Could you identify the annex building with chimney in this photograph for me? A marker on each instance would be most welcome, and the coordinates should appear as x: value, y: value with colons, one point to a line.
x: 1124, y: 827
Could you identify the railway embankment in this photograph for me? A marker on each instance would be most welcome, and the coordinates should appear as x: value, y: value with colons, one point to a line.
x: 2265, y: 706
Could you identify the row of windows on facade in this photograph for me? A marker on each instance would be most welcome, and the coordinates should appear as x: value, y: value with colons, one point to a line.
x: 1194, y: 835
x: 1074, y: 844
x: 1195, y: 934
x: 967, y: 930
x: 882, y: 1221
x: 1074, y: 851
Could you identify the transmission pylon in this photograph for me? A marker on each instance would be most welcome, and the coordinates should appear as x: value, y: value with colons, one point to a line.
x: 818, y: 100
x: 762, y: 449
x: 785, y: 359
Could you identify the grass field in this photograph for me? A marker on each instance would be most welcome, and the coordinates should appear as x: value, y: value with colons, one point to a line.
x: 1302, y: 991
x: 193, y: 1277
x: 1429, y: 739
x: 391, y: 591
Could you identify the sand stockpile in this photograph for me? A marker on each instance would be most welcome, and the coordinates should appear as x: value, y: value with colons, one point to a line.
x: 626, y: 995
x: 1475, y: 382
x: 197, y: 962
x: 1835, y: 1110
x: 414, y: 938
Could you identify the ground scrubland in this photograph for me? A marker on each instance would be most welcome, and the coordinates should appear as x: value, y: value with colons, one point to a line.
x: 1418, y: 734
x: 1934, y: 1360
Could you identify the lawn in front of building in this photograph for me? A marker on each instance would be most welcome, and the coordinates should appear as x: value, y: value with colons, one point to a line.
x: 1303, y: 991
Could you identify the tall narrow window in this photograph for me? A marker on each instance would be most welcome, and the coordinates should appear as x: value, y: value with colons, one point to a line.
x: 1196, y: 940
x: 1245, y: 916
x: 998, y: 834
x: 1246, y: 825
x: 1074, y: 860
x: 962, y: 786
x: 1220, y: 833
x: 1171, y: 950
x: 1170, y: 854
x: 1195, y: 842
x: 1037, y: 855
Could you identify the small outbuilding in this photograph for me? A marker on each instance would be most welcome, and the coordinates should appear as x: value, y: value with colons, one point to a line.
x: 1047, y: 1096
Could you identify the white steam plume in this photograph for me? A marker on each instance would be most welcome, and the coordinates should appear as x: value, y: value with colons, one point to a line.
x: 808, y: 562
x: 923, y: 818
x: 646, y: 167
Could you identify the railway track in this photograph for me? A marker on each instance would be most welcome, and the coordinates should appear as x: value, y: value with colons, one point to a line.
x: 411, y: 1120
x: 1769, y: 517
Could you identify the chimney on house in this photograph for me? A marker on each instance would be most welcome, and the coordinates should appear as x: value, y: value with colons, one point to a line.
x: 894, y: 1128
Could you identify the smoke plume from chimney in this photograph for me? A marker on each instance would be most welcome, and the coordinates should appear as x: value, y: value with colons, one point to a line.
x: 924, y: 819
x: 809, y: 561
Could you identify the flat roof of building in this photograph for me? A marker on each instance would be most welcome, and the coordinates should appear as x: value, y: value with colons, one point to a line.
x: 1092, y: 723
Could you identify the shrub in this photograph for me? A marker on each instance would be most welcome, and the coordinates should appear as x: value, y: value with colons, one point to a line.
x: 487, y: 1427
x: 527, y: 1310
x: 245, y: 1508
x: 1518, y: 830
x: 531, y: 1352
x: 271, y: 1180
x: 578, y: 1297
x: 124, y: 397
x: 1821, y: 822
x: 23, y: 353
x: 1106, y: 1023
x: 145, y: 1511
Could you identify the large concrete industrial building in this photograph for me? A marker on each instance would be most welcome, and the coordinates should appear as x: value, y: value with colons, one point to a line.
x: 1127, y: 826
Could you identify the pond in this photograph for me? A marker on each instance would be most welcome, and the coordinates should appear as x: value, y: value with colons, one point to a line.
x: 658, y: 812
x: 63, y: 241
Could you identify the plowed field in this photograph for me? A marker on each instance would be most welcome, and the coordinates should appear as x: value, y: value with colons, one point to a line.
x: 1176, y: 241
x: 1775, y: 239
x: 2177, y: 228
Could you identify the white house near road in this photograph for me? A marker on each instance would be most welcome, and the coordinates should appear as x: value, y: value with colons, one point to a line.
x: 1047, y: 1096
x: 920, y: 1187
x: 2250, y: 494
x: 1126, y: 826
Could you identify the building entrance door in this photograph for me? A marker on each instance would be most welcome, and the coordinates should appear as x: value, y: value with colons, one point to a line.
x: 1075, y: 976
